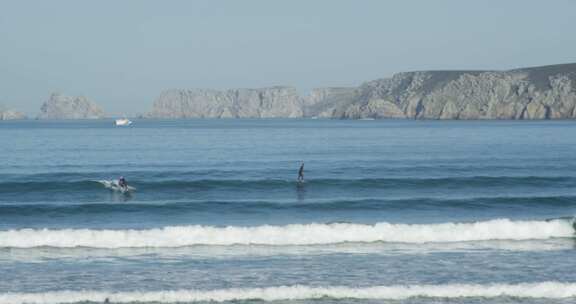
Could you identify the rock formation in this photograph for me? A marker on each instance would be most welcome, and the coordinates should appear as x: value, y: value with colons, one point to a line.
x: 547, y: 92
x: 322, y: 102
x: 536, y: 93
x: 236, y: 103
x: 69, y: 107
x: 6, y: 114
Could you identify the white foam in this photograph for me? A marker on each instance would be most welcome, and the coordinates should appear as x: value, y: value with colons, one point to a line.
x: 544, y: 290
x: 297, y: 234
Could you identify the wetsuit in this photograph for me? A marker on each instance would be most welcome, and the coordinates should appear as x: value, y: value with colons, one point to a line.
x: 122, y: 183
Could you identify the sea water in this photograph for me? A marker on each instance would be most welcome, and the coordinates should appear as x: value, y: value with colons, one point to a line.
x: 390, y: 212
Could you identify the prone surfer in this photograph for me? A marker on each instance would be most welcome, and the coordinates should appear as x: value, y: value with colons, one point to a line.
x: 301, y: 173
x: 122, y: 183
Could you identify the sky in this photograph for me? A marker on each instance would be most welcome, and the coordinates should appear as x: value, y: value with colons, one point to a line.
x: 122, y: 54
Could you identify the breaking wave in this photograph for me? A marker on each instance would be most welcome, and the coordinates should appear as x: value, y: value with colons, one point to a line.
x: 543, y: 290
x: 295, y: 234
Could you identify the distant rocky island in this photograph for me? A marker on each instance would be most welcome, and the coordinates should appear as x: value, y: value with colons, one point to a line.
x: 6, y: 114
x: 69, y: 107
x: 547, y: 92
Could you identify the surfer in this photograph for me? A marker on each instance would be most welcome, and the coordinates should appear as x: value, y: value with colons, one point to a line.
x: 122, y: 183
x: 301, y: 173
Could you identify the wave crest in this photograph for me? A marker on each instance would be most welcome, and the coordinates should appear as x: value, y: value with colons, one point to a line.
x: 295, y: 234
x: 544, y: 290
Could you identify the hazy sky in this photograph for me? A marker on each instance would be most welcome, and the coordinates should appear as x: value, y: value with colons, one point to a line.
x: 122, y: 54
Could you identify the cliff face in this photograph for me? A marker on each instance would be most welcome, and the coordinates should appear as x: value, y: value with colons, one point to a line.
x: 6, y: 114
x: 69, y: 107
x: 236, y: 103
x: 323, y: 102
x: 536, y: 93
x: 547, y: 92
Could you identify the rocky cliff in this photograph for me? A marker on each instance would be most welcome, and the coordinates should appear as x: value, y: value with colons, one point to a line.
x: 323, y: 102
x: 547, y: 92
x: 235, y: 103
x: 6, y: 114
x: 535, y: 93
x: 69, y: 107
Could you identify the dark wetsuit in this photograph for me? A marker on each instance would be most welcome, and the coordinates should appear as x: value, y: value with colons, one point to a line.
x: 122, y: 183
x: 301, y: 173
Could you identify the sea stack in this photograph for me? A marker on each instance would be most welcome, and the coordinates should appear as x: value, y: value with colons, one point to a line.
x: 69, y: 107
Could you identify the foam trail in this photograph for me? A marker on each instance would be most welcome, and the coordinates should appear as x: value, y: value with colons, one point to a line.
x: 296, y: 234
x: 543, y: 290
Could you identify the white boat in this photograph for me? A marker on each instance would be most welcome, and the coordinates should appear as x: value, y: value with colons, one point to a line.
x: 123, y: 122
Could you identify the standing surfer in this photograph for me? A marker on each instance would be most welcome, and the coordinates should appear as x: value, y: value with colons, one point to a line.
x: 301, y: 173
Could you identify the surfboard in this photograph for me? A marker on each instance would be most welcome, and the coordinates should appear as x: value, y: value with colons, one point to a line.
x: 115, y: 186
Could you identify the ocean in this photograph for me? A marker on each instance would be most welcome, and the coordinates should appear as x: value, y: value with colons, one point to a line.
x: 391, y: 211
